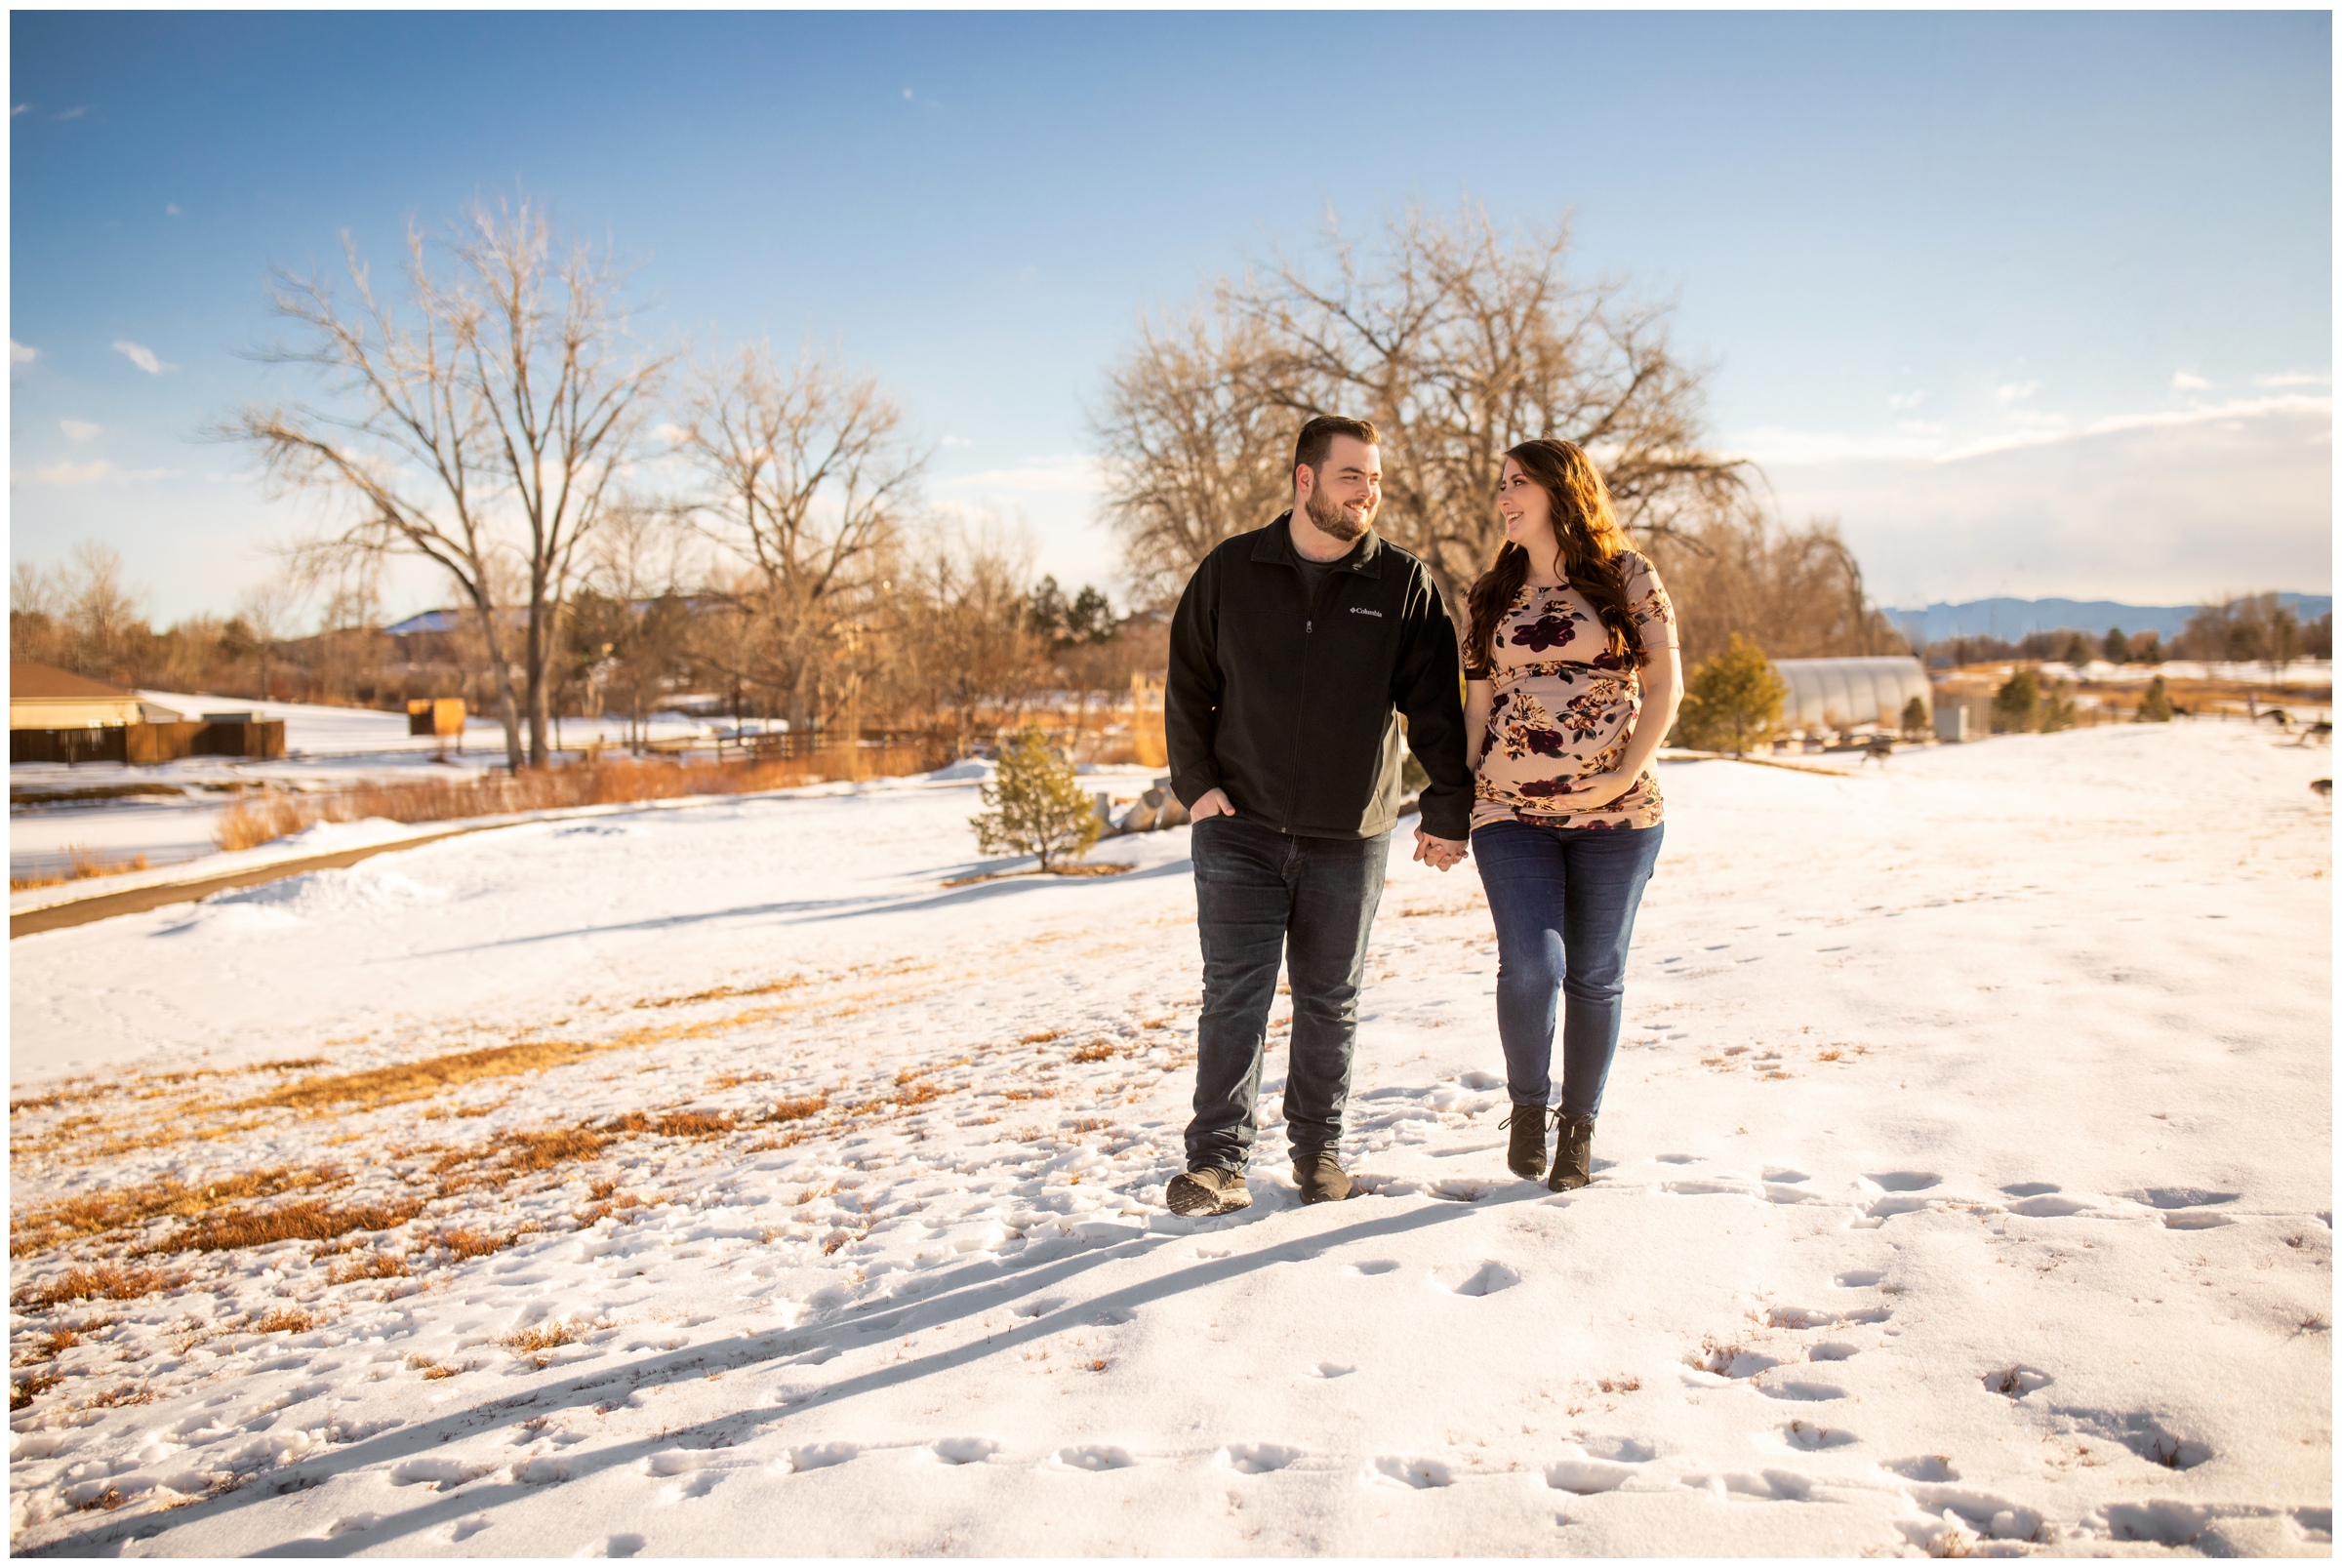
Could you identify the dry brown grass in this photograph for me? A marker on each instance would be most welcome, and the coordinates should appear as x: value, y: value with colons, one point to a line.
x: 305, y: 1219
x: 93, y: 1214
x: 82, y: 863
x: 542, y: 1150
x: 286, y: 1321
x: 1041, y: 1037
x: 373, y: 1266
x: 121, y: 1394
x: 462, y: 1244
x: 257, y: 821
x: 797, y: 1110
x: 1097, y: 1051
x: 721, y: 993
x: 413, y: 1080
x: 110, y: 1282
x: 545, y: 1336
x: 25, y: 1389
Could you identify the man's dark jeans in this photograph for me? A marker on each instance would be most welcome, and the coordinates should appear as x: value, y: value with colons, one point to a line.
x: 1261, y: 896
x: 1563, y: 900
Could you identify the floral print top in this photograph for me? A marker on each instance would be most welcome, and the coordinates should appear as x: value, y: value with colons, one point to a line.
x: 1563, y: 706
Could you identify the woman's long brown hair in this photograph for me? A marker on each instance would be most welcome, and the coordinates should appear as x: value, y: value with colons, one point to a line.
x: 1590, y: 558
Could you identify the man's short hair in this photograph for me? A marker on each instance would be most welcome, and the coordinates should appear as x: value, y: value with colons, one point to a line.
x: 1317, y: 439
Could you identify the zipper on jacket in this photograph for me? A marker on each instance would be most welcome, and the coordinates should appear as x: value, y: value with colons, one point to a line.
x: 1308, y: 628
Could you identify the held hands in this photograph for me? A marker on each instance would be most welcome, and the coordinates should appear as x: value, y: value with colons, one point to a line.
x: 1441, y: 853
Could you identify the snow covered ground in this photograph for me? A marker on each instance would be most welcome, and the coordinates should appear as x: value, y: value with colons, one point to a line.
x: 1963, y: 1185
x: 325, y: 748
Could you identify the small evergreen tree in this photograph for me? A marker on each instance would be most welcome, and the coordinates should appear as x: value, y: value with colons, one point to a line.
x: 2118, y: 646
x: 2057, y: 707
x: 1915, y: 719
x: 2078, y: 652
x: 1035, y: 805
x: 1734, y: 701
x: 2017, y: 705
x: 2156, y: 706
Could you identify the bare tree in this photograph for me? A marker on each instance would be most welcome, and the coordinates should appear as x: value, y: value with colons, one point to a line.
x: 488, y: 419
x: 104, y: 612
x: 1458, y: 338
x: 1197, y: 441
x: 266, y: 610
x: 810, y: 475
x: 1794, y: 593
x: 964, y: 640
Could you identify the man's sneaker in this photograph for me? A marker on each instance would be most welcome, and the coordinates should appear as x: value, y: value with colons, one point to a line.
x: 1526, y: 1155
x: 1207, y: 1189
x: 1320, y: 1178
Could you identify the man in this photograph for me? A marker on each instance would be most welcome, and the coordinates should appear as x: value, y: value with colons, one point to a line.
x: 1294, y: 651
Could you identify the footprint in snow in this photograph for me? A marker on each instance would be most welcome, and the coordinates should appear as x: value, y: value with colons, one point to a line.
x: 1804, y: 1392
x: 1377, y: 1266
x: 961, y: 1450
x: 1330, y: 1370
x: 1835, y: 1350
x: 1256, y: 1459
x: 1904, y: 1180
x: 1482, y: 1279
x: 2016, y: 1382
x: 622, y: 1545
x: 1419, y: 1474
x: 1586, y: 1476
x: 1861, y: 1278
x: 1094, y: 1457
x: 1812, y: 1435
x: 1933, y: 1467
x: 815, y: 1456
x: 466, y: 1529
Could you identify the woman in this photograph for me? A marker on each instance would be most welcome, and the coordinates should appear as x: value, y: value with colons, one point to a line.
x: 1572, y: 680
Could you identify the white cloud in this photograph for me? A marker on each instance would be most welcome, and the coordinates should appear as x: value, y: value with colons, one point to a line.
x: 2296, y: 378
x: 20, y: 109
x: 141, y: 356
x: 73, y: 473
x: 2182, y: 381
x: 2153, y: 507
x: 171, y: 209
x: 670, y: 432
x: 906, y: 92
x: 1904, y: 400
x: 1054, y: 476
x: 19, y: 354
x: 75, y: 113
x: 957, y: 441
x: 2016, y: 392
x: 78, y: 429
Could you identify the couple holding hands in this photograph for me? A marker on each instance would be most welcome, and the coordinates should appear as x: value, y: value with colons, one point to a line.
x: 1294, y: 651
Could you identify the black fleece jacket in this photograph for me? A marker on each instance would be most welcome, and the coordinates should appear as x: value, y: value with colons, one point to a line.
x: 1292, y: 708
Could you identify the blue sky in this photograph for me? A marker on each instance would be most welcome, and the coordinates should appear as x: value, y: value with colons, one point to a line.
x: 2033, y: 303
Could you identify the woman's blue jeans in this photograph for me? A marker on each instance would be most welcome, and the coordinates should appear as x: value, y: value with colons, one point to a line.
x: 1565, y: 902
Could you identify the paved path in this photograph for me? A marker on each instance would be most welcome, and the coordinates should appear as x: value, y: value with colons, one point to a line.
x: 135, y: 901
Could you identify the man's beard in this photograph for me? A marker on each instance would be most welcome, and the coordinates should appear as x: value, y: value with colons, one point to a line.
x: 1331, y: 518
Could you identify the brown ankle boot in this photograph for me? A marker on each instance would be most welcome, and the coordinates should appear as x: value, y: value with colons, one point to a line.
x: 1524, y: 1156
x: 1573, y: 1155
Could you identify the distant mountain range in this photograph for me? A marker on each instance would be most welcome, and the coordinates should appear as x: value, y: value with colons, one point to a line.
x: 2011, y: 619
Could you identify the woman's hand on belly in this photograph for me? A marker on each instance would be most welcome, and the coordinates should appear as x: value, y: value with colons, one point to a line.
x: 1595, y: 790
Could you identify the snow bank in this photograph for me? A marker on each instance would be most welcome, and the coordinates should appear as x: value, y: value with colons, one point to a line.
x: 1963, y: 1185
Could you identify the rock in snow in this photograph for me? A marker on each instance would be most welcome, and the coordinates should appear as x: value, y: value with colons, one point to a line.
x: 1963, y: 1186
